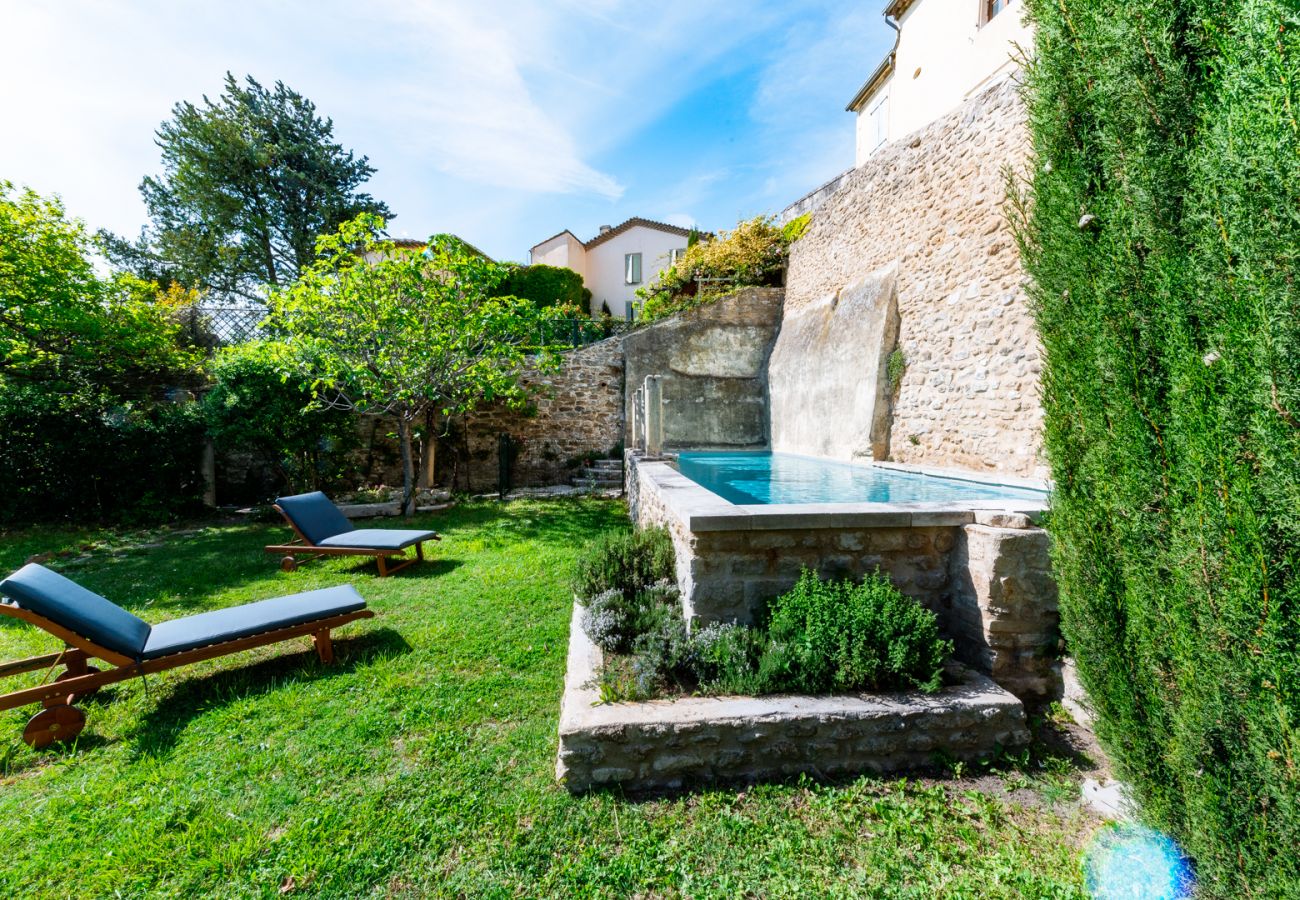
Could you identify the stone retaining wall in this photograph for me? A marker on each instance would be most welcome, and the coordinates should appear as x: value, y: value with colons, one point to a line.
x: 669, y: 744
x: 578, y: 411
x: 934, y: 204
x: 712, y: 363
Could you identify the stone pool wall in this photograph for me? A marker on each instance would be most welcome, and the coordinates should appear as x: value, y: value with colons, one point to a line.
x: 985, y: 573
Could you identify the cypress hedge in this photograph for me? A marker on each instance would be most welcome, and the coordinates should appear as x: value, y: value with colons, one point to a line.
x: 1161, y: 232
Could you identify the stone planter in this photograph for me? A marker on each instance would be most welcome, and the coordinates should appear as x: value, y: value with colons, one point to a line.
x: 668, y: 744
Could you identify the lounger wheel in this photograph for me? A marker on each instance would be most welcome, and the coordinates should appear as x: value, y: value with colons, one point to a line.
x: 289, y: 564
x: 57, y: 723
x: 81, y: 695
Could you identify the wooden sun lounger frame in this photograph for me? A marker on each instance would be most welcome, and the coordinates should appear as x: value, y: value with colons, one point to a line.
x: 59, y: 720
x: 297, y: 547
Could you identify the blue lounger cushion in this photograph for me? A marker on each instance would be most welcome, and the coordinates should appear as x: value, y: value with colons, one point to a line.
x: 315, y: 516
x: 378, y: 539
x: 235, y: 622
x: 83, y: 612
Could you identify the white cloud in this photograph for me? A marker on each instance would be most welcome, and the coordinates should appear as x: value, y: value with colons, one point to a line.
x: 502, y: 119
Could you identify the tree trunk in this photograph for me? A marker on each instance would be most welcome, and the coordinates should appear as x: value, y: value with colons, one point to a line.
x: 408, y: 466
x: 429, y: 451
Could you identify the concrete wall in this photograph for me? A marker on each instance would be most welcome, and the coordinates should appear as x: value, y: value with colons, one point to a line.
x: 828, y: 375
x: 935, y: 207
x: 578, y: 410
x: 945, y: 56
x: 605, y: 273
x: 713, y: 363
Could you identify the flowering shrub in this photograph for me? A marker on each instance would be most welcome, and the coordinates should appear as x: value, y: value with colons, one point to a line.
x: 753, y: 253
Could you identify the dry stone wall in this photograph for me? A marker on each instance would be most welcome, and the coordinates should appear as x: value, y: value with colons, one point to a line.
x: 577, y: 411
x: 934, y: 204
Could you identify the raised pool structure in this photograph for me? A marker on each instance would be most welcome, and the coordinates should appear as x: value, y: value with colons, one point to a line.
x: 745, y: 525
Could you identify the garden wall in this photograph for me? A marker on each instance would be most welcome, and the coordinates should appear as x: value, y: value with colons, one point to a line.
x: 578, y: 411
x: 934, y: 204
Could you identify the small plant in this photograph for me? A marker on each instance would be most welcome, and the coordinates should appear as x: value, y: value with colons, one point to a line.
x: 629, y: 563
x: 725, y: 658
x: 614, y: 621
x: 829, y: 636
x: 895, y: 368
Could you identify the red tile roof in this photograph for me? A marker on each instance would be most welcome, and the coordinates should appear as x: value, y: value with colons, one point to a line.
x: 633, y: 223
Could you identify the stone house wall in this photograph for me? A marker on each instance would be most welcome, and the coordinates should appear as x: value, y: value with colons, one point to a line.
x: 934, y: 204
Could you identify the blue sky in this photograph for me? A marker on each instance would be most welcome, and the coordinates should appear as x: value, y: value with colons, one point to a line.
x: 500, y: 120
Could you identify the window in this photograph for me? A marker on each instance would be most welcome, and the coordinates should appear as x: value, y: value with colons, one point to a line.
x: 632, y: 268
x: 878, y: 123
x: 990, y: 8
x: 674, y: 255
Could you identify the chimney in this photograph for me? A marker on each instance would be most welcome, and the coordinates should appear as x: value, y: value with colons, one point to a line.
x: 605, y: 228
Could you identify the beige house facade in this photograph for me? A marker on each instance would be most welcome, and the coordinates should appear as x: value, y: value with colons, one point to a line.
x: 616, y: 261
x: 946, y: 52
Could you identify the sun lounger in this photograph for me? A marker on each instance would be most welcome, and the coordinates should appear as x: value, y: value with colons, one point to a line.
x: 324, y: 531
x: 93, y: 627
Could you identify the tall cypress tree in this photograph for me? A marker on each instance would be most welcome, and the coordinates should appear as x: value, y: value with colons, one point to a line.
x: 1162, y: 234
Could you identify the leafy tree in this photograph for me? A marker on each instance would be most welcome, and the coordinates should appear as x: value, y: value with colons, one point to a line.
x: 249, y: 182
x: 261, y: 401
x: 63, y: 325
x: 547, y: 286
x: 414, y: 335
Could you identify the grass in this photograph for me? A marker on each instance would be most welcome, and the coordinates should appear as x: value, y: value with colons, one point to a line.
x: 422, y: 762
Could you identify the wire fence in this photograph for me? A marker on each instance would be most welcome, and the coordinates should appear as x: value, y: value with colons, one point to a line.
x: 580, y: 332
x: 213, y: 327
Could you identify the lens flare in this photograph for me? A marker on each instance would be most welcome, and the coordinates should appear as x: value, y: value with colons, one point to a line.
x: 1133, y: 862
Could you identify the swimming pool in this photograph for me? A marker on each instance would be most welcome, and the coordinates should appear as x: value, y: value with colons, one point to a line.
x: 764, y: 478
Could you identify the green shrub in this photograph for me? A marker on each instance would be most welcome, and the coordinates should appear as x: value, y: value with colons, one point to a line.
x: 614, y: 620
x: 85, y: 457
x: 832, y: 637
x: 1160, y: 231
x: 547, y: 286
x: 260, y: 402
x: 629, y: 562
x: 754, y: 253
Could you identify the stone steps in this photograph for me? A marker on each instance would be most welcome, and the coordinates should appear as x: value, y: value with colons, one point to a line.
x: 606, y: 473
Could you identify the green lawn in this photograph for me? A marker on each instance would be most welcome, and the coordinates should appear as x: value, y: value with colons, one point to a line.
x: 422, y: 762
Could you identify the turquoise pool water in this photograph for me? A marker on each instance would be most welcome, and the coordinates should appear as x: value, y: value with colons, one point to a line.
x: 773, y: 478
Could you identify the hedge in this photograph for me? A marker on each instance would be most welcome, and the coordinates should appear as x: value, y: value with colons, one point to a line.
x: 85, y: 458
x: 1161, y: 231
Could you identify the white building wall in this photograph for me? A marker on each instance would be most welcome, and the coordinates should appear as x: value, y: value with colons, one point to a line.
x: 605, y: 262
x: 563, y: 250
x: 944, y: 57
